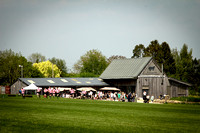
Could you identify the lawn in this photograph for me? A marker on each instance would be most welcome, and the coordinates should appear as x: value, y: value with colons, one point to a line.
x: 74, y: 115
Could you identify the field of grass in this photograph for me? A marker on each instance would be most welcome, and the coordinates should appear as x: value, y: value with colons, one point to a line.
x: 74, y: 115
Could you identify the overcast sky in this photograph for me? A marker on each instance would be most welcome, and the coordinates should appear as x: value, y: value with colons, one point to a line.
x: 67, y: 29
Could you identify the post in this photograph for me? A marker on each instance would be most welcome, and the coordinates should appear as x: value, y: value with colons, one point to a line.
x: 52, y: 71
x: 21, y: 70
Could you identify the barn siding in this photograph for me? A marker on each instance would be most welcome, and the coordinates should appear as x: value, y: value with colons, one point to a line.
x: 16, y: 87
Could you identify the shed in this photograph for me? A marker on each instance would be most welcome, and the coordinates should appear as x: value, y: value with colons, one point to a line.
x: 96, y: 83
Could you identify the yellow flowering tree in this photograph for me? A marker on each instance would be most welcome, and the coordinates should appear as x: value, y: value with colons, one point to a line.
x: 45, y: 68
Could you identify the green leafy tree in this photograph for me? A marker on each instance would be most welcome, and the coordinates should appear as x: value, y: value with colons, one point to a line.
x: 46, y: 69
x: 138, y: 51
x: 110, y: 59
x: 36, y: 58
x: 61, y: 64
x: 10, y: 70
x: 93, y: 63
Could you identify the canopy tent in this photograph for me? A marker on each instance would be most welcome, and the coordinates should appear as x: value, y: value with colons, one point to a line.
x: 109, y: 89
x: 62, y: 89
x: 86, y: 89
x: 31, y: 87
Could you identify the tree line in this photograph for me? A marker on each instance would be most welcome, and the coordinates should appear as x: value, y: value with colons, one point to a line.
x: 176, y: 64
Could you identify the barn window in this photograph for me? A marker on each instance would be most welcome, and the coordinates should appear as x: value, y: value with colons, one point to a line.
x: 151, y: 68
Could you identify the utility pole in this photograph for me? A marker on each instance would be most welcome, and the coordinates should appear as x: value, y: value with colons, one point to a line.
x: 21, y: 70
x: 52, y: 71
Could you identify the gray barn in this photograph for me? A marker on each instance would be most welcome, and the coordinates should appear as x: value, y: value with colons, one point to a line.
x: 143, y: 74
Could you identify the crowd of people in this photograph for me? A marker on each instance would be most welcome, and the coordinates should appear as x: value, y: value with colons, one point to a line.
x: 100, y: 95
x: 94, y: 95
x: 146, y: 97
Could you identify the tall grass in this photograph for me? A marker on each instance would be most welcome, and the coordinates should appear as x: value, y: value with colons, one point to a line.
x: 74, y: 115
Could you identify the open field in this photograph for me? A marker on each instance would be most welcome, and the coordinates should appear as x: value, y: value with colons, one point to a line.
x: 74, y: 115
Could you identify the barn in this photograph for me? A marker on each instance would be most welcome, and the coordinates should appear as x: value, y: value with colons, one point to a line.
x: 143, y: 74
x: 129, y: 75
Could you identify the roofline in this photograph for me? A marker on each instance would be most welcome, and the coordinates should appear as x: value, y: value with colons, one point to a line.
x: 122, y: 78
x: 144, y: 66
x: 176, y: 80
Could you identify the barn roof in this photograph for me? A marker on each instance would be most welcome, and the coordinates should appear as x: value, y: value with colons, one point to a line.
x: 125, y: 68
x: 64, y: 82
x: 180, y: 82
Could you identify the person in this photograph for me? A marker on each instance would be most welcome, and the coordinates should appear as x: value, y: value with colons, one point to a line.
x: 57, y: 92
x: 90, y: 94
x: 119, y: 96
x: 148, y: 97
x: 22, y: 90
x: 114, y: 95
x: 45, y: 92
x: 111, y: 96
x: 84, y: 94
x: 133, y: 97
x: 50, y: 93
x: 54, y: 92
x: 144, y: 96
x: 95, y: 96
x: 101, y: 95
x: 72, y: 93
x: 129, y: 97
x: 152, y: 98
x: 38, y: 92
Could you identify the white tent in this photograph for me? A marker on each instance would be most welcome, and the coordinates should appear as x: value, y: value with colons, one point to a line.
x: 86, y: 89
x: 109, y: 89
x: 31, y: 87
x: 62, y: 89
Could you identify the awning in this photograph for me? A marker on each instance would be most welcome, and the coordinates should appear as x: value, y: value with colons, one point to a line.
x: 31, y: 87
x: 86, y: 89
x: 109, y: 89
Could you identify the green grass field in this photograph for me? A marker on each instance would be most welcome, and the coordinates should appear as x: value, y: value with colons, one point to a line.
x: 74, y: 115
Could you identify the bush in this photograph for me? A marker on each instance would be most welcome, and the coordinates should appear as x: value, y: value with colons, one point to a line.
x: 189, y: 99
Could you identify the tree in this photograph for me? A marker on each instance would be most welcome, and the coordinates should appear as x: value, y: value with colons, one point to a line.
x: 60, y: 64
x: 110, y: 59
x: 92, y: 62
x: 167, y: 59
x: 46, y: 69
x: 9, y: 67
x: 161, y: 53
x: 36, y: 58
x: 185, y: 65
x: 154, y: 50
x: 138, y: 51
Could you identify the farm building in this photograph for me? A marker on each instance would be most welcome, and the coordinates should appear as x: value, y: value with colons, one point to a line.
x: 95, y: 83
x: 129, y: 75
x: 143, y: 74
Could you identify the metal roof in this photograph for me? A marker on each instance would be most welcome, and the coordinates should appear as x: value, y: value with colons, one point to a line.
x: 64, y: 82
x: 125, y: 68
x: 178, y: 81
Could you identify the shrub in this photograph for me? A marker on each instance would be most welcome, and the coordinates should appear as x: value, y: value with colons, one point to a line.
x: 189, y: 99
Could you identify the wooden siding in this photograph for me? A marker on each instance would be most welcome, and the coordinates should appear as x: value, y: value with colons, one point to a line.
x: 176, y: 89
x: 16, y: 87
x: 156, y: 86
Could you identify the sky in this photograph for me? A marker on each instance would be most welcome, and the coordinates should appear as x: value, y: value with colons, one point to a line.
x: 67, y: 29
